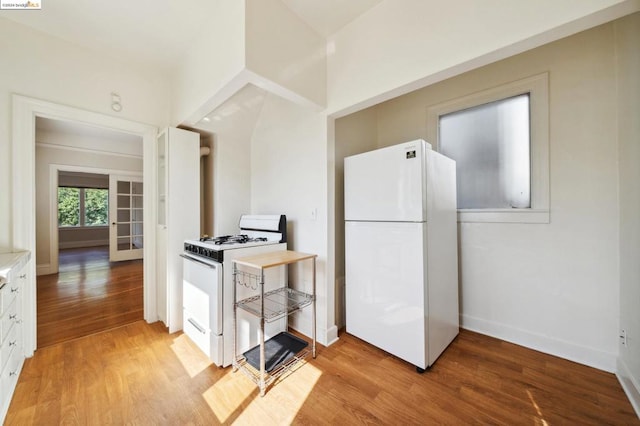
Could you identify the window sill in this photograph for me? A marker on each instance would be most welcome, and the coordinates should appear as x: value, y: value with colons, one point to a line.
x: 503, y: 216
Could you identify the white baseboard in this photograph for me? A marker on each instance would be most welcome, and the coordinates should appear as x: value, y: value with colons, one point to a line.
x: 44, y: 269
x: 629, y: 384
x: 80, y: 244
x: 331, y: 335
x: 549, y: 345
x: 324, y: 336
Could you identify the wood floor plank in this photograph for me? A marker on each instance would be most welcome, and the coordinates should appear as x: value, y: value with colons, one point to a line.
x: 89, y: 294
x: 140, y: 374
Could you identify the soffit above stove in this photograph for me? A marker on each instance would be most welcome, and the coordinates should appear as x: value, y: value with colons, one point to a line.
x: 237, y: 115
x: 328, y: 16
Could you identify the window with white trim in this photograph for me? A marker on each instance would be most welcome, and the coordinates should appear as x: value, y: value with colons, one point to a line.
x: 499, y: 139
x: 79, y: 207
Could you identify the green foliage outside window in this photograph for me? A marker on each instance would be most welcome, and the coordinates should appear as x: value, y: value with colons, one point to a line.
x: 96, y: 207
x: 68, y: 207
x: 83, y: 207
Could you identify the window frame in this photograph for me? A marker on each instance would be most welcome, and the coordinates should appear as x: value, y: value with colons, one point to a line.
x: 81, y: 210
x: 538, y: 88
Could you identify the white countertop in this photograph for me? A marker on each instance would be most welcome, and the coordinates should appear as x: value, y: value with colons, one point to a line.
x: 8, y: 261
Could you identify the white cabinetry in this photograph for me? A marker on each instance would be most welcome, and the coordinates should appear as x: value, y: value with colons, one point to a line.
x: 13, y: 279
x: 178, y: 195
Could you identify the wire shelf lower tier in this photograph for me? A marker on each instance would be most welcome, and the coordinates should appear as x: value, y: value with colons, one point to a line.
x: 277, y: 303
x: 284, y: 353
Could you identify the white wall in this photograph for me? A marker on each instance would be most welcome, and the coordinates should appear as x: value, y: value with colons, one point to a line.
x: 289, y: 176
x: 36, y: 65
x: 399, y: 46
x: 293, y: 56
x: 628, y: 61
x: 232, y: 181
x: 553, y: 287
x: 215, y: 58
x: 232, y: 125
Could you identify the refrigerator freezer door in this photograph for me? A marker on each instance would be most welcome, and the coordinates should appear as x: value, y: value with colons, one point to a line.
x: 386, y: 184
x: 385, y: 287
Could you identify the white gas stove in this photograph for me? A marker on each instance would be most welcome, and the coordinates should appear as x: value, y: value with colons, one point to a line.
x: 208, y: 284
x: 255, y: 230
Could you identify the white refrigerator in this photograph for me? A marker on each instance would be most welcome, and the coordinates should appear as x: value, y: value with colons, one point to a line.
x: 401, y: 257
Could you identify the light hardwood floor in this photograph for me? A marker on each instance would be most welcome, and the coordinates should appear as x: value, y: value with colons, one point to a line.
x: 88, y: 295
x: 140, y: 374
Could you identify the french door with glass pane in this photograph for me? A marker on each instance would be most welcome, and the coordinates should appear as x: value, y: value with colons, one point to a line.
x: 125, y: 212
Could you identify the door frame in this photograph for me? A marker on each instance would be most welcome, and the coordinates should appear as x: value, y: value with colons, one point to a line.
x: 25, y: 110
x: 54, y: 169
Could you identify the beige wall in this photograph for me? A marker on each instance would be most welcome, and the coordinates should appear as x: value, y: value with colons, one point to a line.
x: 553, y: 287
x: 628, y: 66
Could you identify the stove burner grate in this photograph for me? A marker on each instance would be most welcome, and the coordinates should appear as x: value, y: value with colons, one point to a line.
x: 232, y: 239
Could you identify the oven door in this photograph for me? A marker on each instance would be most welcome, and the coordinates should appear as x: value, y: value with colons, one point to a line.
x: 202, y: 301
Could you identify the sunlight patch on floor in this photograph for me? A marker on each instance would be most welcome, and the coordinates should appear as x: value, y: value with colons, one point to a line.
x: 235, y: 398
x: 192, y: 358
x: 228, y: 395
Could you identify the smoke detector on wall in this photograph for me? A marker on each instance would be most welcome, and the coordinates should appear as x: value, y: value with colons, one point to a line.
x: 116, y: 104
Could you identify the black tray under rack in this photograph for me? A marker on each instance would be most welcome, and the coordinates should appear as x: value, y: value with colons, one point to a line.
x: 277, y: 350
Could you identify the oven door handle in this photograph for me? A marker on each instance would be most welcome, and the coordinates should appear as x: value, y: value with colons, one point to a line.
x: 197, y: 326
x: 208, y: 265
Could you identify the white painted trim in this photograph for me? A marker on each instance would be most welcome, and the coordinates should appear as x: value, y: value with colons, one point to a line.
x: 53, y: 219
x: 538, y: 87
x: 44, y: 270
x: 567, y: 350
x: 504, y: 215
x: 54, y: 170
x: 629, y: 384
x: 331, y: 335
x: 86, y: 150
x: 116, y: 255
x: 25, y: 111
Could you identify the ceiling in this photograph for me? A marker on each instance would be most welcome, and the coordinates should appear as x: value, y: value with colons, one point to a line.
x: 86, y: 137
x: 83, y: 130
x: 157, y: 32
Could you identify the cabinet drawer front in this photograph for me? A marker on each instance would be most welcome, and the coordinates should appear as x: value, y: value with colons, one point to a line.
x: 8, y: 348
x: 197, y: 332
x: 9, y: 317
x: 8, y: 295
x: 10, y: 371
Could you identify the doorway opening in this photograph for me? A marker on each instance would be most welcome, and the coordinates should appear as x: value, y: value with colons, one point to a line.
x: 95, y: 220
x: 25, y: 112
